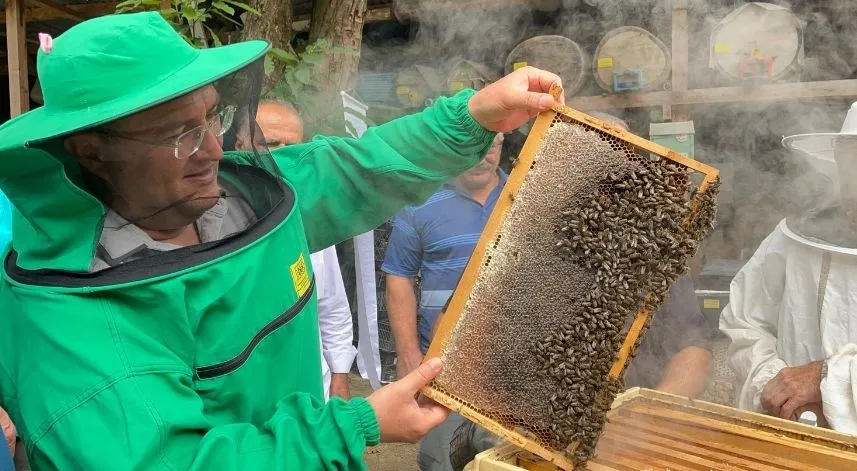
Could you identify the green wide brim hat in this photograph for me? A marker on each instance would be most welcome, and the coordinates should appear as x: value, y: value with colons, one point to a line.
x: 114, y: 66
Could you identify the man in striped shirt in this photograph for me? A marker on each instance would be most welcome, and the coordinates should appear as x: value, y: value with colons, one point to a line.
x: 436, y: 240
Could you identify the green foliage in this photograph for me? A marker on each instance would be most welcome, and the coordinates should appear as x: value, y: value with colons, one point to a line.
x: 193, y: 18
x: 300, y: 85
x: 294, y: 75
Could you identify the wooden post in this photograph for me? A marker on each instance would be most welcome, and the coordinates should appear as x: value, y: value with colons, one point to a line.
x: 679, y: 58
x: 19, y: 83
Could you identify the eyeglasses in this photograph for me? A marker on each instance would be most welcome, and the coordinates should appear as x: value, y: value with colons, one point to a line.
x: 188, y: 142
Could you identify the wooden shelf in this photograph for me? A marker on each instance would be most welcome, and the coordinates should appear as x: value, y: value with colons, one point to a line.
x: 373, y: 15
x: 705, y: 96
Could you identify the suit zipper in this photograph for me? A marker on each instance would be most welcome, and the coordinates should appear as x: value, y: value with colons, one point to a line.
x: 228, y: 366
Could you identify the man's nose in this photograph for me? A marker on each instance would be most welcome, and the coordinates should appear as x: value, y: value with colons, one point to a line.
x: 211, y: 147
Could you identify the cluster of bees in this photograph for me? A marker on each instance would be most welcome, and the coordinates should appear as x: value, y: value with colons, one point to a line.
x: 636, y: 233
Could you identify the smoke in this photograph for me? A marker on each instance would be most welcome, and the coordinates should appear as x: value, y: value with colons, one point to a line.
x: 762, y: 182
x: 745, y: 138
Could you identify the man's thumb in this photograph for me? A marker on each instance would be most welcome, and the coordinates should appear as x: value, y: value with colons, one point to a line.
x: 534, y: 101
x: 422, y: 376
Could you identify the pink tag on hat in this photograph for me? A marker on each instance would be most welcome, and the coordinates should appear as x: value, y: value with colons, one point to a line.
x: 46, y: 42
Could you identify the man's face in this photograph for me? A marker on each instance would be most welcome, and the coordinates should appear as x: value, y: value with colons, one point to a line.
x: 144, y: 179
x: 280, y: 125
x: 484, y: 173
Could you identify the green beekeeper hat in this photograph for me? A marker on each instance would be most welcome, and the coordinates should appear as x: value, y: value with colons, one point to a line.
x: 114, y: 66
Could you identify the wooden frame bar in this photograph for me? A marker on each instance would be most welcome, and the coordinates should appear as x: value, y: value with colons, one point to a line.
x: 449, y: 318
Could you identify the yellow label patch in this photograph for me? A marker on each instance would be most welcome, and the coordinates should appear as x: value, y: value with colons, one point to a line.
x: 711, y: 304
x: 518, y: 65
x: 605, y: 62
x: 722, y: 48
x: 300, y: 275
x: 456, y: 85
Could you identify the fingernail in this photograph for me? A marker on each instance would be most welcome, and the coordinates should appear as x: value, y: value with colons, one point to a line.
x: 435, y: 364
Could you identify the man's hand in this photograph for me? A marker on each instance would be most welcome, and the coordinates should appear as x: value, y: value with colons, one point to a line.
x: 9, y: 432
x: 339, y: 385
x: 407, y: 361
x: 510, y: 102
x: 792, y: 389
x: 401, y: 417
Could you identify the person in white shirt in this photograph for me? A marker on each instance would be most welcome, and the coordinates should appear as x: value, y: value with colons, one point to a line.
x: 281, y: 124
x: 792, y: 313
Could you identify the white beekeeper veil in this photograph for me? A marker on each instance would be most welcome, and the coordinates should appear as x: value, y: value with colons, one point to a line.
x: 819, y: 148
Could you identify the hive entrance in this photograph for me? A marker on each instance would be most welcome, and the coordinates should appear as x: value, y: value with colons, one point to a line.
x: 586, y: 238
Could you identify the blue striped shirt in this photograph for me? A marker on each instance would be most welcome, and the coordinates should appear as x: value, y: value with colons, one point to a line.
x: 435, y: 240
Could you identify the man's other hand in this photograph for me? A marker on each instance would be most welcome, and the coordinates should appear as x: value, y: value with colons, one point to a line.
x: 401, y: 417
x: 791, y: 389
x: 406, y: 362
x: 9, y: 432
x: 510, y: 102
x: 339, y: 386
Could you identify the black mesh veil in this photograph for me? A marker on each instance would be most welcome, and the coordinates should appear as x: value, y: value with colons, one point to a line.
x: 193, y: 170
x: 244, y: 142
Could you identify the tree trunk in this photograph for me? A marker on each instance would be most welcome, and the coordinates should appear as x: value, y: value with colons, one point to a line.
x: 340, y: 22
x: 274, y: 25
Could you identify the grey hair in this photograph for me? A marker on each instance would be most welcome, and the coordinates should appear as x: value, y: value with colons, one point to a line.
x: 610, y: 119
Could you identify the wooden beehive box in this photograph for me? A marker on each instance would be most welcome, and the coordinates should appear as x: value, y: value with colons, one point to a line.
x: 757, y: 41
x: 591, y: 229
x: 650, y: 430
x: 556, y: 53
x: 631, y: 59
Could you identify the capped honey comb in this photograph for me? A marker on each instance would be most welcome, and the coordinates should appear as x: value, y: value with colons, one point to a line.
x: 591, y: 229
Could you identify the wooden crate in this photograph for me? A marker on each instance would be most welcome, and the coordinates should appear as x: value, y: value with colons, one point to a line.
x: 650, y: 430
x: 509, y: 428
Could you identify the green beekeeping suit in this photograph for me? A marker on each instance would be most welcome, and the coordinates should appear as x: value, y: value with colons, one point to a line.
x: 204, y: 357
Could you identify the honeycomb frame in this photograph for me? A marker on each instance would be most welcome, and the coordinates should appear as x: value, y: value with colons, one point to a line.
x: 449, y: 318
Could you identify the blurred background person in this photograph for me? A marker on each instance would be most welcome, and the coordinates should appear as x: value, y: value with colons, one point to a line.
x: 7, y: 447
x: 436, y: 240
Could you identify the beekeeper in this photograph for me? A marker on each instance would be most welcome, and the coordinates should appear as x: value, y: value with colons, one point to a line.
x: 159, y: 307
x: 792, y: 307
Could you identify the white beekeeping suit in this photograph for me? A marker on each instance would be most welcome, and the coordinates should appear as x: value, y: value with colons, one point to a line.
x: 334, y: 317
x: 795, y: 302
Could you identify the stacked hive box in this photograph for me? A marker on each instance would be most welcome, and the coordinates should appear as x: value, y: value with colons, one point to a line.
x: 587, y: 237
x: 649, y: 430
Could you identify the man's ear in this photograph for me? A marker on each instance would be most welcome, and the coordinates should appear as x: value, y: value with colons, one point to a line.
x: 86, y: 149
